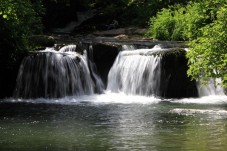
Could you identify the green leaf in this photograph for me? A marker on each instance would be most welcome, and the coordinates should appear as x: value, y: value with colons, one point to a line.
x: 5, y: 16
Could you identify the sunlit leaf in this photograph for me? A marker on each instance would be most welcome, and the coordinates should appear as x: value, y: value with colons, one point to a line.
x: 5, y: 16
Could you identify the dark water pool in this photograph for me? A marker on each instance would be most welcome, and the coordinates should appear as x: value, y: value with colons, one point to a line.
x: 113, y: 122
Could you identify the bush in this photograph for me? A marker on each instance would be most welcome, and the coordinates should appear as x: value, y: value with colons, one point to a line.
x: 19, y: 19
x: 168, y: 24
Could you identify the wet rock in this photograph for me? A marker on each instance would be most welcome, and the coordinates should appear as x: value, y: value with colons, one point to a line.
x: 112, y: 32
x: 42, y: 41
x: 175, y: 82
x: 122, y: 31
x: 104, y: 57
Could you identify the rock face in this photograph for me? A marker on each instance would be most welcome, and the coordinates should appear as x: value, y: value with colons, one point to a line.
x: 104, y: 56
x: 175, y: 83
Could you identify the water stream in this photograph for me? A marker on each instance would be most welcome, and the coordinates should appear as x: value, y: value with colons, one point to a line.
x: 136, y: 72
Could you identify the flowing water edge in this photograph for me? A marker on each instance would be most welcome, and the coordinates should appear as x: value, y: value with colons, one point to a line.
x: 114, y: 121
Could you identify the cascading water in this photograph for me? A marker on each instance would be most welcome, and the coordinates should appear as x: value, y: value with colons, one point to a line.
x: 51, y: 73
x: 213, y: 87
x: 136, y: 72
x: 157, y: 72
x: 68, y: 48
x: 94, y: 73
x: 128, y: 47
x: 148, y: 72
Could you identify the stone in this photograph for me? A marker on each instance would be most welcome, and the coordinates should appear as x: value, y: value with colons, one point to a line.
x: 175, y: 82
x: 112, y: 32
x: 104, y: 56
x: 42, y: 41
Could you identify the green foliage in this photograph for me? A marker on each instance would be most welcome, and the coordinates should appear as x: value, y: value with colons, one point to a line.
x: 132, y: 12
x: 183, y: 22
x: 19, y: 19
x: 139, y: 11
x: 200, y: 14
x: 208, y: 53
x: 178, y: 22
x: 194, y: 18
x: 204, y: 24
x: 162, y: 25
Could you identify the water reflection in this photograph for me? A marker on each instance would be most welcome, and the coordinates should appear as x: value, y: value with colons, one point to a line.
x: 156, y: 125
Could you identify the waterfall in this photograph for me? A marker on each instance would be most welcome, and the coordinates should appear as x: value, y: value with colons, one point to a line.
x: 156, y: 72
x: 128, y: 47
x: 68, y: 48
x: 51, y: 73
x: 159, y: 72
x: 136, y: 72
x: 213, y: 87
x: 94, y: 72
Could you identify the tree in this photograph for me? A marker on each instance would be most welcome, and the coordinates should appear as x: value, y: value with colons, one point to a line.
x: 208, y: 53
x: 203, y: 23
x: 179, y: 22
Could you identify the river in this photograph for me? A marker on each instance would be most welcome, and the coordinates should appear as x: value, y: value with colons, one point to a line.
x: 112, y: 121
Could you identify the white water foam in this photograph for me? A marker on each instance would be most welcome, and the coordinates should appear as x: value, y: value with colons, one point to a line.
x: 106, y: 98
x: 68, y: 48
x: 122, y: 98
x: 212, y: 99
x: 213, y: 87
x: 182, y: 111
x: 128, y: 47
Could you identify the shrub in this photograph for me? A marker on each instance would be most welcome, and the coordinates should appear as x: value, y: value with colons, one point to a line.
x: 179, y: 22
x: 162, y: 25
